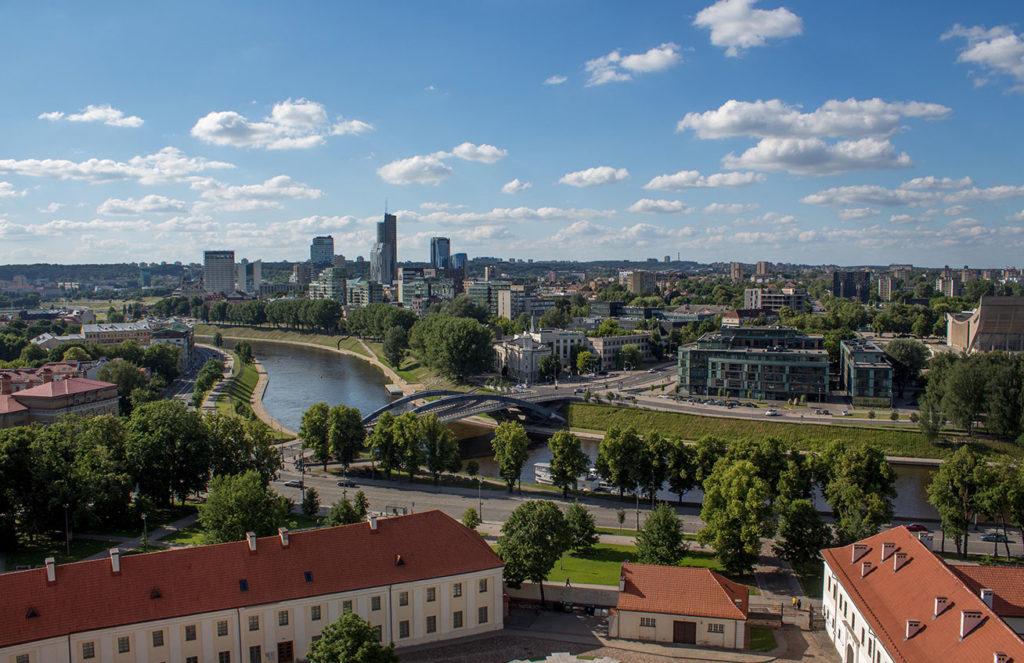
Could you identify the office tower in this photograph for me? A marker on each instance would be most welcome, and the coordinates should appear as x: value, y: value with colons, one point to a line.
x: 459, y: 260
x: 249, y: 276
x: 219, y: 271
x: 321, y: 252
x: 384, y: 256
x: 736, y: 271
x: 440, y: 251
x: 851, y: 285
x: 302, y: 274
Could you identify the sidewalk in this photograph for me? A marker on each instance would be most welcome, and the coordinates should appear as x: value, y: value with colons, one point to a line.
x: 131, y: 543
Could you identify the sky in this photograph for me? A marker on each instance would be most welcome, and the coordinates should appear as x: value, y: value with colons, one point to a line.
x: 851, y: 133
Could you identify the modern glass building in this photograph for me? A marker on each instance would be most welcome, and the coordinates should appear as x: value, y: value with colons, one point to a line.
x: 440, y: 252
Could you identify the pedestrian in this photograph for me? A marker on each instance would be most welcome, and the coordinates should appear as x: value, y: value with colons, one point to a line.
x: 799, y: 604
x: 794, y: 601
x: 567, y: 585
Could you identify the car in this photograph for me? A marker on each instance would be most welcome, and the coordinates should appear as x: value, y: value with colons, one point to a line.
x: 652, y: 370
x: 994, y: 537
x: 753, y: 405
x: 846, y: 413
x: 916, y: 527
x: 602, y: 372
x: 293, y: 483
x: 346, y: 483
x: 664, y: 396
x: 771, y: 413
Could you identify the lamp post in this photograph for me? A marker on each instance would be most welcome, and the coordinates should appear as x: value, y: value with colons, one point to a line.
x: 67, y: 530
x: 638, y: 508
x: 145, y: 534
x: 479, y: 498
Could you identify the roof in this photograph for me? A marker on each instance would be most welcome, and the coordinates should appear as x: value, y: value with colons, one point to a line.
x: 67, y: 387
x: 88, y: 595
x: 9, y: 406
x: 1006, y: 581
x: 887, y: 599
x: 680, y: 590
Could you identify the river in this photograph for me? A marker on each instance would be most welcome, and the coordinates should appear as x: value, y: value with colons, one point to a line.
x: 303, y: 375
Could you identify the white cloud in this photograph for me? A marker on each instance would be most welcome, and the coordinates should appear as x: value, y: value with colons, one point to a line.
x: 906, y: 219
x: 932, y: 183
x: 774, y: 118
x: 515, y: 186
x: 505, y: 215
x: 555, y: 80
x: 1016, y: 218
x: 51, y: 208
x: 65, y: 226
x: 854, y: 213
x: 106, y: 114
x: 640, y: 234
x: 7, y: 190
x: 440, y: 207
x: 688, y: 179
x: 661, y: 206
x: 297, y: 124
x: 617, y: 68
x: 598, y: 176
x: 912, y: 193
x: 813, y: 156
x: 151, y: 204
x: 420, y: 169
x: 730, y: 208
x: 996, y: 50
x: 736, y: 25
x: 956, y: 210
x: 167, y: 165
x: 252, y: 196
x: 483, y: 153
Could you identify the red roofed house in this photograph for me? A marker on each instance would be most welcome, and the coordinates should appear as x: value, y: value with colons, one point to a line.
x: 417, y: 578
x: 890, y: 599
x: 679, y: 604
x: 52, y: 399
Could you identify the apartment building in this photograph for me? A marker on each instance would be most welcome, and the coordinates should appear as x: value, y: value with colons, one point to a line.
x: 114, y: 333
x: 774, y: 299
x: 607, y: 347
x: 360, y: 293
x: 329, y: 284
x: 418, y: 578
x: 866, y: 373
x: 562, y: 342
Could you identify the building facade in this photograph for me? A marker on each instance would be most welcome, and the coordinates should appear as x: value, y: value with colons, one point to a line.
x: 851, y: 285
x: 219, y: 272
x: 360, y: 293
x: 329, y: 284
x: 607, y: 348
x: 519, y: 357
x: 115, y: 333
x: 384, y: 256
x: 47, y: 402
x: 321, y: 252
x: 440, y: 252
x: 997, y: 324
x: 866, y: 373
x: 774, y: 299
x: 249, y: 276
x: 885, y: 287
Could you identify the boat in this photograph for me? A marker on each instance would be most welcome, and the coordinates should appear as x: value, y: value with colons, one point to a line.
x: 542, y: 473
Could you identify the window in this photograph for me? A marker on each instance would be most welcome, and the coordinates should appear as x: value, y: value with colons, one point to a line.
x: 21, y: 658
x: 255, y: 654
x: 431, y: 594
x: 374, y: 603
x: 192, y: 659
x: 403, y: 628
x: 158, y: 638
x: 647, y: 621
x: 431, y: 624
x: 124, y: 645
x: 716, y: 628
x: 314, y: 613
x: 481, y: 615
x: 346, y: 607
x: 224, y: 657
x: 457, y: 590
x: 483, y: 585
x: 190, y: 632
x: 254, y: 622
x: 88, y: 650
x: 282, y: 618
x: 403, y: 598
x: 380, y: 633
x: 457, y: 619
x: 222, y: 628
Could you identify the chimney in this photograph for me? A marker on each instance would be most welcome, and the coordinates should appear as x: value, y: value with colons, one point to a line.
x: 51, y: 569
x: 899, y: 559
x: 283, y: 533
x: 927, y: 539
x: 373, y: 522
x: 1000, y: 657
x: 47, y: 375
x: 969, y: 620
x: 5, y: 384
x: 622, y: 583
x: 251, y: 538
x: 865, y: 568
x: 888, y: 548
x: 988, y: 595
x: 913, y: 626
x: 859, y: 550
x: 941, y: 603
x: 115, y: 560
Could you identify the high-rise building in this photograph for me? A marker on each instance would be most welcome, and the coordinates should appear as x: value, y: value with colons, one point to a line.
x: 459, y: 260
x: 321, y: 252
x: 763, y: 268
x: 249, y: 276
x: 329, y: 284
x: 219, y: 271
x: 384, y: 256
x: 851, y: 285
x: 302, y: 274
x: 440, y: 252
x: 885, y: 284
x: 736, y: 272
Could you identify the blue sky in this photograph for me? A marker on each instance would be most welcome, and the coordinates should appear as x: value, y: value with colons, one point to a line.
x: 812, y: 132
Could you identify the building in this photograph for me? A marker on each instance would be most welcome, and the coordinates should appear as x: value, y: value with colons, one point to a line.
x: 949, y: 286
x: 997, y: 324
x: 680, y: 604
x: 384, y: 256
x: 563, y: 343
x: 774, y: 363
x: 329, y: 284
x: 360, y: 293
x: 219, y: 272
x: 901, y: 272
x: 890, y: 599
x: 749, y: 316
x: 735, y: 272
x: 440, y: 252
x: 607, y: 348
x: 418, y: 578
x: 321, y: 252
x: 885, y: 287
x: 866, y: 373
x: 249, y: 276
x: 638, y: 281
x: 763, y: 268
x: 851, y: 285
x: 519, y: 358
x: 48, y: 341
x: 180, y: 335
x: 516, y: 300
x: 775, y: 299
x: 302, y: 274
x: 459, y: 261
x: 115, y: 333
x: 47, y: 402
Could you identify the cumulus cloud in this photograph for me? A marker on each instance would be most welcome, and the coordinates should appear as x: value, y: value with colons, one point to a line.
x: 166, y: 166
x: 438, y: 207
x: 106, y: 114
x: 931, y: 183
x: 912, y: 193
x: 689, y: 179
x: 813, y: 156
x: 661, y: 206
x: 7, y: 190
x: 515, y: 186
x: 730, y: 208
x: 51, y: 208
x: 597, y: 176
x: 483, y: 153
x: 855, y: 213
x: 906, y: 219
x: 956, y: 210
x: 736, y: 26
x: 420, y: 169
x: 151, y: 204
x: 297, y: 124
x: 1016, y: 218
x: 252, y: 196
x: 555, y: 80
x: 617, y: 68
x: 505, y: 215
x: 996, y: 50
x: 640, y: 234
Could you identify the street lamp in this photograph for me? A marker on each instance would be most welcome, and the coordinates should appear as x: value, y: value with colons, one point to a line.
x: 638, y: 509
x: 479, y: 498
x: 67, y: 530
x: 145, y: 534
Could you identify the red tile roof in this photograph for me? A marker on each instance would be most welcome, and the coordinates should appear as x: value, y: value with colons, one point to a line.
x: 9, y: 406
x: 887, y: 600
x: 677, y: 590
x: 88, y: 595
x: 66, y: 387
x: 1006, y: 581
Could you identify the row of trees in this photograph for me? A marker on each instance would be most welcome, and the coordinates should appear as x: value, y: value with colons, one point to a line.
x: 984, y: 389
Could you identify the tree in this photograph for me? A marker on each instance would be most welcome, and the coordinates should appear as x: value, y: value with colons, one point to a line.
x: 549, y: 367
x: 931, y: 417
x: 586, y: 362
x: 237, y: 446
x: 510, y: 445
x: 464, y: 306
x: 343, y: 512
x: 244, y: 352
x: 454, y: 347
x: 361, y: 505
x: 345, y: 434
x: 168, y: 450
x: 568, y: 460
x: 681, y: 467
x: 396, y: 342
x: 239, y: 504
x: 909, y: 357
x: 736, y: 514
x: 996, y: 497
x: 859, y: 484
x: 440, y: 450
x: 127, y: 377
x: 802, y: 533
x: 218, y: 340
x: 532, y: 540
x: 470, y: 518
x: 964, y: 399
x: 651, y: 464
x: 75, y: 353
x: 162, y: 360
x: 408, y: 443
x: 660, y: 540
x: 955, y: 492
x: 351, y: 639
x: 617, y: 457
x: 706, y: 452
x: 581, y: 527
x: 382, y: 445
x: 313, y: 431
x: 631, y: 357
x: 310, y: 502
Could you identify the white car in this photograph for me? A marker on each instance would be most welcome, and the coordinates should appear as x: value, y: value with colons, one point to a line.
x: 771, y: 413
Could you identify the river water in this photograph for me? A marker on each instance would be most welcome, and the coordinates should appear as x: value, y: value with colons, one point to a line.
x: 303, y: 375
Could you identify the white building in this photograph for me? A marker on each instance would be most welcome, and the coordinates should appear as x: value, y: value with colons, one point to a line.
x: 519, y: 358
x: 219, y: 272
x: 561, y: 342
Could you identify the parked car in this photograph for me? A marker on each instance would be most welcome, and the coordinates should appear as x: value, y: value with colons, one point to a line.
x: 846, y: 413
x: 917, y: 527
x: 293, y: 483
x: 771, y: 413
x: 346, y: 483
x: 994, y: 537
x: 652, y: 370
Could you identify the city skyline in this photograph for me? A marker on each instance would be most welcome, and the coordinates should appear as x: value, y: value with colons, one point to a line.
x: 744, y: 130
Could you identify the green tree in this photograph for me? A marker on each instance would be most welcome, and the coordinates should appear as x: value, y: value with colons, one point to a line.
x: 75, y: 353
x: 909, y: 357
x: 681, y: 467
x: 396, y: 342
x: 470, y: 518
x: 660, y: 540
x: 454, y: 347
x: 549, y: 367
x: 168, y: 450
x: 859, y: 484
x: 736, y: 514
x: 802, y: 533
x: 162, y: 360
x: 586, y: 362
x: 310, y: 502
x: 617, y: 457
x: 532, y: 539
x: 568, y: 460
x: 218, y: 340
x: 345, y: 434
x: 408, y: 438
x: 581, y: 527
x: 343, y: 512
x: 931, y: 417
x: 351, y: 639
x: 996, y: 498
x: 510, y: 445
x: 239, y: 504
x: 127, y: 377
x: 964, y: 399
x: 955, y: 492
x: 313, y: 431
x: 381, y: 442
x: 708, y: 450
x: 440, y: 449
x: 630, y: 356
x: 651, y: 464
x: 244, y: 352
x: 361, y: 505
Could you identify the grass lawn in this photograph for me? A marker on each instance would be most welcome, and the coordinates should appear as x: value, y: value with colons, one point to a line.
x: 810, y: 437
x: 188, y: 536
x: 761, y: 638
x: 155, y: 518
x: 239, y: 390
x: 33, y: 553
x: 811, y: 578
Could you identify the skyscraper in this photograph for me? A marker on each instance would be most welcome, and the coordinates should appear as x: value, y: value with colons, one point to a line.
x: 384, y: 256
x: 321, y: 252
x: 249, y: 276
x: 440, y: 250
x: 219, y: 271
x: 459, y: 260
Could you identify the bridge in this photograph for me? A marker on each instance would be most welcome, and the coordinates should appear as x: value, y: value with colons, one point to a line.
x: 454, y: 405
